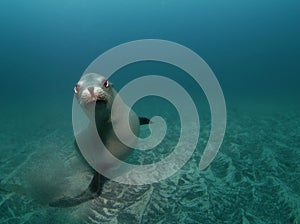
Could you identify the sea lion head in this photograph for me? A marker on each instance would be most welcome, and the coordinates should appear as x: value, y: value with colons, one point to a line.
x: 94, y: 91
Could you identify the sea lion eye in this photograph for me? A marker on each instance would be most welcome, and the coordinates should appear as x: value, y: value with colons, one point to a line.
x: 106, y: 84
x: 76, y: 88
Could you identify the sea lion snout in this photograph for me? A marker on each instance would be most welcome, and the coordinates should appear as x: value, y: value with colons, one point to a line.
x: 93, y: 94
x: 91, y: 90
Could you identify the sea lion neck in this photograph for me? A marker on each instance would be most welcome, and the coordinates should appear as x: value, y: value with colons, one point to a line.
x: 102, y: 115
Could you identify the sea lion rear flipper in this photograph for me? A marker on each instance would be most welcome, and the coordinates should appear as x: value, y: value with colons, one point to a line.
x: 144, y: 120
x: 94, y: 190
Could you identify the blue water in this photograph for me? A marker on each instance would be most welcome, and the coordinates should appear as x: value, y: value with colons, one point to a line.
x: 253, y: 49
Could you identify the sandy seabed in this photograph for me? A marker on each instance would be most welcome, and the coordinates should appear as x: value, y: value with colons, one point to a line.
x: 255, y: 177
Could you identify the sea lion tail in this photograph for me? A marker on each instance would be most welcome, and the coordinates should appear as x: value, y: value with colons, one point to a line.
x: 144, y: 120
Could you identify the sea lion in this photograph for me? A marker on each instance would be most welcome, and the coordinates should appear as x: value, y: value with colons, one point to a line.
x: 95, y: 94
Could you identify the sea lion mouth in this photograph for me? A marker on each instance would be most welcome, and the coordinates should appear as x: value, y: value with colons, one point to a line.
x: 95, y: 102
x: 101, y: 101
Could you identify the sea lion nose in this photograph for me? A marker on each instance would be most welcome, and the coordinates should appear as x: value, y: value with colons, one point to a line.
x: 91, y: 90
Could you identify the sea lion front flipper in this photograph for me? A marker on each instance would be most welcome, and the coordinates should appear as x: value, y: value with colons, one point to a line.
x: 97, y: 183
x: 144, y: 120
x: 94, y: 190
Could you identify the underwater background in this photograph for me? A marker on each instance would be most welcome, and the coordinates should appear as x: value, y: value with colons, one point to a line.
x: 253, y: 47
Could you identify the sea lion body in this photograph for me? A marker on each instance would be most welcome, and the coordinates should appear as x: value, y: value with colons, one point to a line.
x: 93, y: 92
x: 96, y: 96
